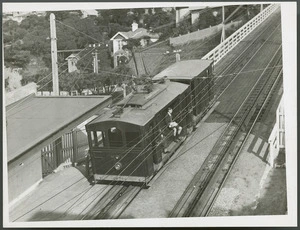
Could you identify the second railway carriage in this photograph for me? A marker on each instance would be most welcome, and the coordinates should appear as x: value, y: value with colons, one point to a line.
x: 197, y: 73
x: 127, y: 143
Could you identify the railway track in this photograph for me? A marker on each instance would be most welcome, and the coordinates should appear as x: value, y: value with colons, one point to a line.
x: 199, y: 196
x: 113, y: 203
x: 230, y: 67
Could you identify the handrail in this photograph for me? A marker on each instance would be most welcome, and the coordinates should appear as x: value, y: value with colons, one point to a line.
x: 228, y: 44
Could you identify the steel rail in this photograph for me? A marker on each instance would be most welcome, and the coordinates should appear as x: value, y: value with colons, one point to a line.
x: 213, y: 161
x: 242, y: 121
x: 216, y: 192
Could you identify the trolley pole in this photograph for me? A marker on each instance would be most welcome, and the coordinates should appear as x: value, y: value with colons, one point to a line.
x: 54, y: 55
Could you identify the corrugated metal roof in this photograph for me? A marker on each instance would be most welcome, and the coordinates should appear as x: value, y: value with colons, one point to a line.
x: 138, y: 33
x: 36, y: 118
x: 186, y: 69
x: 161, y: 96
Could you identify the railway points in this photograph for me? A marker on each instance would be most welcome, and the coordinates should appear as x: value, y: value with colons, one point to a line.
x: 179, y: 173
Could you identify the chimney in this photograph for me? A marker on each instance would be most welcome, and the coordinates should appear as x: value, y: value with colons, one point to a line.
x: 134, y: 26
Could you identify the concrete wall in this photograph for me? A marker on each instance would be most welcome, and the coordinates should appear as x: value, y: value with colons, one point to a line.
x: 200, y: 34
x: 23, y: 173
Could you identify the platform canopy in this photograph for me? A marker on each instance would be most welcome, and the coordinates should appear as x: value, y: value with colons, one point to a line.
x: 34, y: 120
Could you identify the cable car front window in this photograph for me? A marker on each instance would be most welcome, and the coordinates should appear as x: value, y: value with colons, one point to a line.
x: 98, y: 138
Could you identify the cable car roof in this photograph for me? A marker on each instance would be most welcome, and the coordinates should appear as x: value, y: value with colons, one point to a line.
x: 184, y: 70
x: 147, y: 105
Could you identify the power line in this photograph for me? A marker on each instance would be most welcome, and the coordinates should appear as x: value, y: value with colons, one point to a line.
x: 78, y: 31
x: 247, y: 71
x: 101, y: 192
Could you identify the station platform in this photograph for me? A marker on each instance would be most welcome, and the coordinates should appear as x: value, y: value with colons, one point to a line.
x: 65, y: 195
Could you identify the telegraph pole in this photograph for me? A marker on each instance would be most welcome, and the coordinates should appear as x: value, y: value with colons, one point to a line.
x: 95, y: 57
x: 223, y: 22
x: 96, y: 62
x: 54, y: 55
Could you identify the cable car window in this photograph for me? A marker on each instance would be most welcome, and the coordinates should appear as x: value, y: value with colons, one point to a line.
x: 98, y: 138
x: 115, y: 137
x: 132, y: 139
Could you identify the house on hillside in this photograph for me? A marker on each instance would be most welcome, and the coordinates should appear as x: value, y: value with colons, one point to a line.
x: 86, y: 13
x: 120, y: 39
x: 193, y: 12
x: 20, y: 16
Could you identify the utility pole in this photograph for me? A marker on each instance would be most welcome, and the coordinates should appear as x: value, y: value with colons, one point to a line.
x: 95, y: 55
x: 223, y: 22
x: 54, y: 55
x: 95, y: 62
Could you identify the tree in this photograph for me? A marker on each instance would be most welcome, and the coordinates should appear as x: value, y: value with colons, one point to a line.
x: 131, y: 44
x: 15, y: 58
x: 43, y: 79
x: 12, y: 79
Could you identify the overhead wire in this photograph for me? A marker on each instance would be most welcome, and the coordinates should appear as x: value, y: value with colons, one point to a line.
x: 71, y: 27
x: 124, y: 169
x: 247, y: 71
x: 231, y: 74
x: 219, y: 95
x: 109, y: 184
x: 146, y: 157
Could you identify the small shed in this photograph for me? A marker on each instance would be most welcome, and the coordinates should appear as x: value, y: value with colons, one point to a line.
x: 72, y: 61
x: 35, y: 122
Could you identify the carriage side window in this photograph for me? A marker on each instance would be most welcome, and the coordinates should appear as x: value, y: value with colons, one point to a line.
x: 98, y: 138
x: 132, y: 139
x: 115, y: 137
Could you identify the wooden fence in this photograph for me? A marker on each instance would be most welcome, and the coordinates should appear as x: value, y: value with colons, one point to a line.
x: 228, y: 44
x: 277, y: 136
x: 71, y: 148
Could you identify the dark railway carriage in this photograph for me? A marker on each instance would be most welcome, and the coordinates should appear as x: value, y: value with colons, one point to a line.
x: 196, y: 73
x: 127, y: 144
